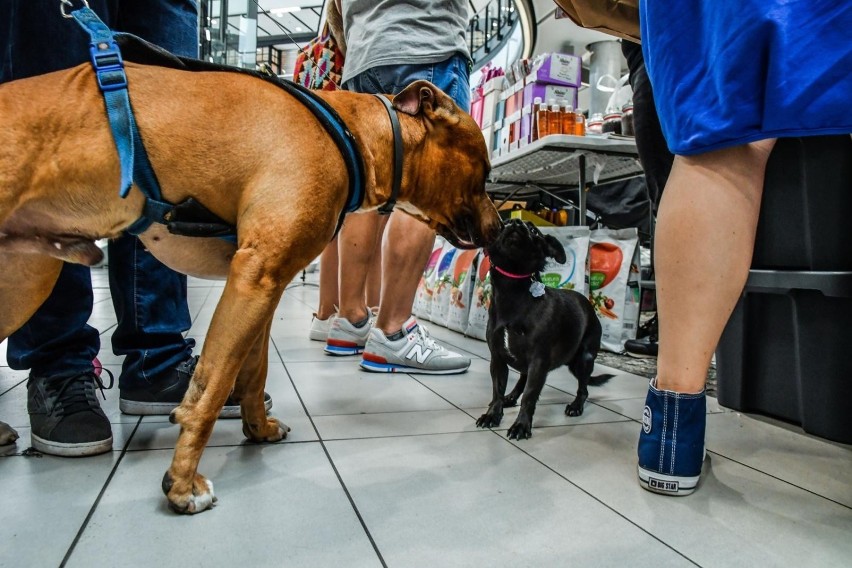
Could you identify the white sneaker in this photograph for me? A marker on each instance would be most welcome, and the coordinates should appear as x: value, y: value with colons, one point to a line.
x: 414, y: 353
x: 344, y: 338
x: 319, y: 327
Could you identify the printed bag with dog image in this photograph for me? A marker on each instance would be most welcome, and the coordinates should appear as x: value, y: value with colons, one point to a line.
x: 614, y: 284
x: 572, y: 274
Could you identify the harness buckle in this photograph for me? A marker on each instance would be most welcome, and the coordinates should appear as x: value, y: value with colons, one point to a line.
x: 109, y: 66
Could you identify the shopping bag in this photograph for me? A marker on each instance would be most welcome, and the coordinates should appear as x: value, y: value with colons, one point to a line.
x: 319, y: 65
x: 615, y: 17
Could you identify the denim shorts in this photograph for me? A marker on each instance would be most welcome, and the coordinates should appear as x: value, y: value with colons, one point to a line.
x: 451, y: 76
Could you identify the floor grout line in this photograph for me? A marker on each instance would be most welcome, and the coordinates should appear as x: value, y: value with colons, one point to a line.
x: 89, y: 516
x: 333, y: 465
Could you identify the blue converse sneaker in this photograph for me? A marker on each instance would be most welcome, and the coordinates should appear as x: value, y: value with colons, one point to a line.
x: 671, y: 443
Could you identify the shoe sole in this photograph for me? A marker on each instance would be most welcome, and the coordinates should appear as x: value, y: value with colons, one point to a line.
x: 674, y: 485
x: 374, y: 367
x: 338, y: 351
x: 71, y: 450
x: 135, y: 408
x: 639, y: 355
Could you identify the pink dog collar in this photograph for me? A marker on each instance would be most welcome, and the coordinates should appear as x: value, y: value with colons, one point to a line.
x: 510, y: 274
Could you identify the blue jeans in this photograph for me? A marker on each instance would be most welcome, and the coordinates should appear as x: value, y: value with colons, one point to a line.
x: 149, y: 298
x: 451, y: 76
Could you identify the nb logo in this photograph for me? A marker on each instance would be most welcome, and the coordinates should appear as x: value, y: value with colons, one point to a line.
x: 646, y: 420
x: 419, y: 354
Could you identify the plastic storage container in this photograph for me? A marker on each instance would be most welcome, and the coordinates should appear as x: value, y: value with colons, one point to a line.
x: 806, y: 213
x: 785, y: 351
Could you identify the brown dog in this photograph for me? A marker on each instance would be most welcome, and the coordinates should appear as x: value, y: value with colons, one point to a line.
x: 256, y: 158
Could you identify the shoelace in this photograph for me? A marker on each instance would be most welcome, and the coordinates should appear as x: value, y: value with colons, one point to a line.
x: 423, y: 333
x: 73, y: 390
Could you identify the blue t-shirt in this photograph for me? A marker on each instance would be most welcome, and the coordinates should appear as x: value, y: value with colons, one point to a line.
x: 727, y: 73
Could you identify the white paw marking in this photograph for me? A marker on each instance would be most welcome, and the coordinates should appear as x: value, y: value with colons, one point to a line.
x: 198, y: 503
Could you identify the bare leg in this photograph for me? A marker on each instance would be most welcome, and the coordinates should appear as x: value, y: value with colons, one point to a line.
x: 328, y: 289
x: 703, y: 249
x: 356, y: 246
x: 374, y: 277
x: 406, y: 248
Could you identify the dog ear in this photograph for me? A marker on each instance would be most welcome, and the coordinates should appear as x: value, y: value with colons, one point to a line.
x: 423, y: 97
x: 555, y: 249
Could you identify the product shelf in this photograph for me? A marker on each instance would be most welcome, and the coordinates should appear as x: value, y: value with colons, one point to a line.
x: 559, y: 164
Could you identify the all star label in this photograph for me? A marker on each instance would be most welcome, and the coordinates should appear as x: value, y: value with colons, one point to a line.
x: 646, y: 419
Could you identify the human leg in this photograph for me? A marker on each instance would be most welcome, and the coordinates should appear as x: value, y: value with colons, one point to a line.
x: 356, y: 246
x: 694, y: 302
x: 397, y: 343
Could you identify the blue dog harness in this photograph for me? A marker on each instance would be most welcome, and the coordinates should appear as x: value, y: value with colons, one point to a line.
x: 189, y: 218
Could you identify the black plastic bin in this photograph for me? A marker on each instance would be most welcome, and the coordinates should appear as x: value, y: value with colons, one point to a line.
x: 787, y: 351
x: 806, y: 213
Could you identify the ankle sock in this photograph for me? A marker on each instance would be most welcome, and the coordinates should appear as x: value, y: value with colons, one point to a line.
x: 362, y: 323
x: 396, y: 336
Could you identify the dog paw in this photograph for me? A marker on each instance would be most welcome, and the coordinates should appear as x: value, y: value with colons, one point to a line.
x: 7, y: 434
x: 272, y: 430
x: 200, y: 499
x: 489, y: 420
x: 574, y: 410
x: 519, y: 431
x: 509, y: 401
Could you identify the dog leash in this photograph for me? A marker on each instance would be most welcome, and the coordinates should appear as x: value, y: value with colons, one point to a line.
x: 398, y: 156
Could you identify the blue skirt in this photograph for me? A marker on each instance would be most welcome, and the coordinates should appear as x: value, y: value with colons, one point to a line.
x: 725, y: 73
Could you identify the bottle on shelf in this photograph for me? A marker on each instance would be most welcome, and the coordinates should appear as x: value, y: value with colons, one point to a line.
x: 568, y: 119
x: 554, y: 118
x: 579, y: 123
x: 539, y: 118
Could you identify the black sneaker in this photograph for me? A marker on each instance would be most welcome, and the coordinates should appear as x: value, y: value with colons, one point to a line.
x: 154, y: 400
x: 66, y: 417
x: 642, y: 348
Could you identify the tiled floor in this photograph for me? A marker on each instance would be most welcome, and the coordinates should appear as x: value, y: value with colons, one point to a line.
x: 391, y: 470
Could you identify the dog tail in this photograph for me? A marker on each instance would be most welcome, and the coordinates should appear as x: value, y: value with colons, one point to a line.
x: 598, y: 380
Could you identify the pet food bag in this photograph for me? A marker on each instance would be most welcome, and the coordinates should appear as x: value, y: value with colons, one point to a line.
x: 443, y: 285
x: 572, y: 274
x: 423, y: 299
x: 477, y: 321
x: 461, y: 291
x: 614, y: 284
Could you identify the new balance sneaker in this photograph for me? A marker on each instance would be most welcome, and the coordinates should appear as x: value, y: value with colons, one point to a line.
x: 320, y: 327
x: 345, y: 338
x: 66, y: 417
x: 671, y: 443
x: 413, y: 352
x: 161, y: 398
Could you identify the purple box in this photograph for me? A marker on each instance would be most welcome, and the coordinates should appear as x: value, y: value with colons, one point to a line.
x: 546, y: 92
x: 558, y: 69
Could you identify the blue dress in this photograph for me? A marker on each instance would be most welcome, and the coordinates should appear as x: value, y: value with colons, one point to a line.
x: 728, y: 72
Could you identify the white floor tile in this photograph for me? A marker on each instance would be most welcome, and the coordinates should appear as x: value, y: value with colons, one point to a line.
x: 279, y: 505
x: 473, y: 500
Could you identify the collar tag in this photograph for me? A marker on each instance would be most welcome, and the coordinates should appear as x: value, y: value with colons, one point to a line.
x: 536, y: 289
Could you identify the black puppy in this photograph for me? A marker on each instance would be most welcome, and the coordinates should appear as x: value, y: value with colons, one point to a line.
x: 534, y: 329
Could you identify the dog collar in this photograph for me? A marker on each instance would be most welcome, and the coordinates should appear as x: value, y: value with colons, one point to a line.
x: 510, y: 274
x: 387, y: 208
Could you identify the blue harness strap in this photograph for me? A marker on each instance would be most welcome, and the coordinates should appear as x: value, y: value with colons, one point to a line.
x: 112, y: 81
x: 135, y: 165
